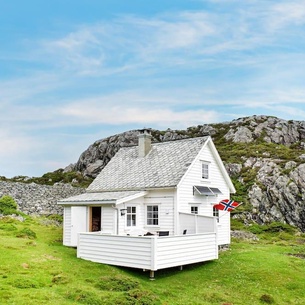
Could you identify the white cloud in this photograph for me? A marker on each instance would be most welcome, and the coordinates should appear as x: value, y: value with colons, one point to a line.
x: 95, y: 113
x: 287, y: 13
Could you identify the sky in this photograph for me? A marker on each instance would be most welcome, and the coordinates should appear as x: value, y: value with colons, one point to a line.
x: 73, y: 72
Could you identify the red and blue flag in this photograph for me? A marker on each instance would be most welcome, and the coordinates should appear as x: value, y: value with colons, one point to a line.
x: 226, y: 205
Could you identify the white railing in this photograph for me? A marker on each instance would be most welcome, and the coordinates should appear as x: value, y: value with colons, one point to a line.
x: 195, y: 223
x: 147, y: 252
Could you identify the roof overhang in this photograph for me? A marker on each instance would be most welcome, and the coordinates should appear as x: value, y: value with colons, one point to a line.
x: 102, y: 198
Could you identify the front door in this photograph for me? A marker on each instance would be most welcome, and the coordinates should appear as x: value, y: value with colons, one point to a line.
x: 96, y: 219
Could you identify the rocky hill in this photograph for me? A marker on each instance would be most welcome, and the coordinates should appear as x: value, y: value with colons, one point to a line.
x: 265, y: 157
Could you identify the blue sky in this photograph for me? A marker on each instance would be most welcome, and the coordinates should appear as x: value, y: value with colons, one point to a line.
x: 72, y: 72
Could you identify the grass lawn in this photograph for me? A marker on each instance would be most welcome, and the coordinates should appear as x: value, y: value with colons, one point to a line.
x: 42, y: 271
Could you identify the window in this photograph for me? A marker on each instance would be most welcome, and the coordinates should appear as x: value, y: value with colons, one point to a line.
x: 194, y: 210
x: 152, y: 215
x: 131, y: 216
x: 205, y: 170
x: 216, y: 214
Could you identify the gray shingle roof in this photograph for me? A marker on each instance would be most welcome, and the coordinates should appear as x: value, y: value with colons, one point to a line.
x: 98, y: 197
x: 163, y: 166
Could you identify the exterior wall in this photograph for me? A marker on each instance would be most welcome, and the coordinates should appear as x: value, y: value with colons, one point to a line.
x: 186, y: 198
x: 67, y: 222
x: 147, y: 252
x: 75, y: 221
x: 165, y: 201
x: 108, y: 220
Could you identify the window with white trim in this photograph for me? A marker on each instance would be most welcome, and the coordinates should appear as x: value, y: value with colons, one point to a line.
x: 216, y: 213
x: 205, y: 170
x: 131, y: 216
x: 194, y: 209
x: 152, y: 215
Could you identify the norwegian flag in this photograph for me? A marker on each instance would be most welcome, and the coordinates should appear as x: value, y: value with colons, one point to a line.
x: 226, y: 205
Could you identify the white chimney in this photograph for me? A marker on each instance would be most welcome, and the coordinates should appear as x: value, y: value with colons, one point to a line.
x: 144, y: 142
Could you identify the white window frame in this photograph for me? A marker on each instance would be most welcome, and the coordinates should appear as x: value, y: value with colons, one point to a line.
x: 216, y: 213
x: 131, y: 216
x: 194, y: 209
x: 153, y: 219
x: 205, y: 170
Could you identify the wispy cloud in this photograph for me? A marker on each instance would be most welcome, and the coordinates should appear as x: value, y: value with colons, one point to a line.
x: 171, y: 69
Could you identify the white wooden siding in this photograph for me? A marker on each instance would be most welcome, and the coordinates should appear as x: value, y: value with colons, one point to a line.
x: 127, y: 251
x: 183, y: 250
x: 75, y: 221
x: 147, y: 252
x: 108, y: 220
x: 164, y: 199
x: 186, y: 197
x: 67, y: 226
x: 224, y: 229
x: 195, y: 223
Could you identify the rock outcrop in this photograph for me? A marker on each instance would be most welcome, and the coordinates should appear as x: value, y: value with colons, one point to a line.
x: 265, y: 159
x: 276, y: 192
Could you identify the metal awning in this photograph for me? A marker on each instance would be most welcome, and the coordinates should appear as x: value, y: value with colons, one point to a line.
x: 207, y: 191
x: 102, y: 198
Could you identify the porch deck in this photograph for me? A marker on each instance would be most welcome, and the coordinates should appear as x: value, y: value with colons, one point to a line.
x: 148, y: 252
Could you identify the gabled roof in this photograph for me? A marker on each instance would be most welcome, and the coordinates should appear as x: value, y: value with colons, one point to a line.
x: 162, y: 167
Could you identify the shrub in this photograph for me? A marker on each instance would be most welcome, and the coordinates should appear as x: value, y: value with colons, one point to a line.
x: 266, y: 298
x: 142, y: 297
x: 8, y: 227
x: 25, y: 283
x: 117, y: 283
x: 85, y: 297
x: 257, y: 229
x: 276, y: 227
x: 8, y: 205
x: 26, y: 233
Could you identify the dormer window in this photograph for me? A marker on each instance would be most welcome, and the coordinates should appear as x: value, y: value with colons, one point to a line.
x: 205, y: 170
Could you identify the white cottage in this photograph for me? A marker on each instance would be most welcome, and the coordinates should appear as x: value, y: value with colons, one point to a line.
x: 151, y: 207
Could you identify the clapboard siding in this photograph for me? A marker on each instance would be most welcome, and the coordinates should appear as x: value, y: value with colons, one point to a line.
x: 108, y: 219
x: 186, y: 197
x: 125, y: 251
x: 67, y: 226
x: 145, y: 252
x: 175, y: 251
x: 165, y: 200
x: 197, y: 223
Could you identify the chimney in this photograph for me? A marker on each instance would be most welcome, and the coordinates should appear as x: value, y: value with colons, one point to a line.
x: 144, y: 142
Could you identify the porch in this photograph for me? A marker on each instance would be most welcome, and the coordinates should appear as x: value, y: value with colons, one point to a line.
x: 148, y: 252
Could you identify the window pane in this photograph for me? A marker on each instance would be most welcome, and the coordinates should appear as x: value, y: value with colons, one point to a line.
x: 131, y: 216
x: 152, y: 215
x: 205, y: 171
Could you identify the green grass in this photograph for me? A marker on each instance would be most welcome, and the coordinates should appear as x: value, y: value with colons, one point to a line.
x: 42, y: 271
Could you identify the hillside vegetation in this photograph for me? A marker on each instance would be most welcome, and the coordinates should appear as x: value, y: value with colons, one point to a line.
x: 37, y: 269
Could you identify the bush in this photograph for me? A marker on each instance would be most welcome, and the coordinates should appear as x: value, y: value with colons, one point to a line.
x: 274, y: 227
x: 85, y: 297
x: 25, y: 283
x: 142, y: 297
x: 8, y: 227
x: 266, y: 298
x: 26, y: 233
x: 117, y: 283
x: 8, y: 206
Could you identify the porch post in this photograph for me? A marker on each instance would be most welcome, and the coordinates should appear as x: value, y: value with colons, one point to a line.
x: 154, y: 257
